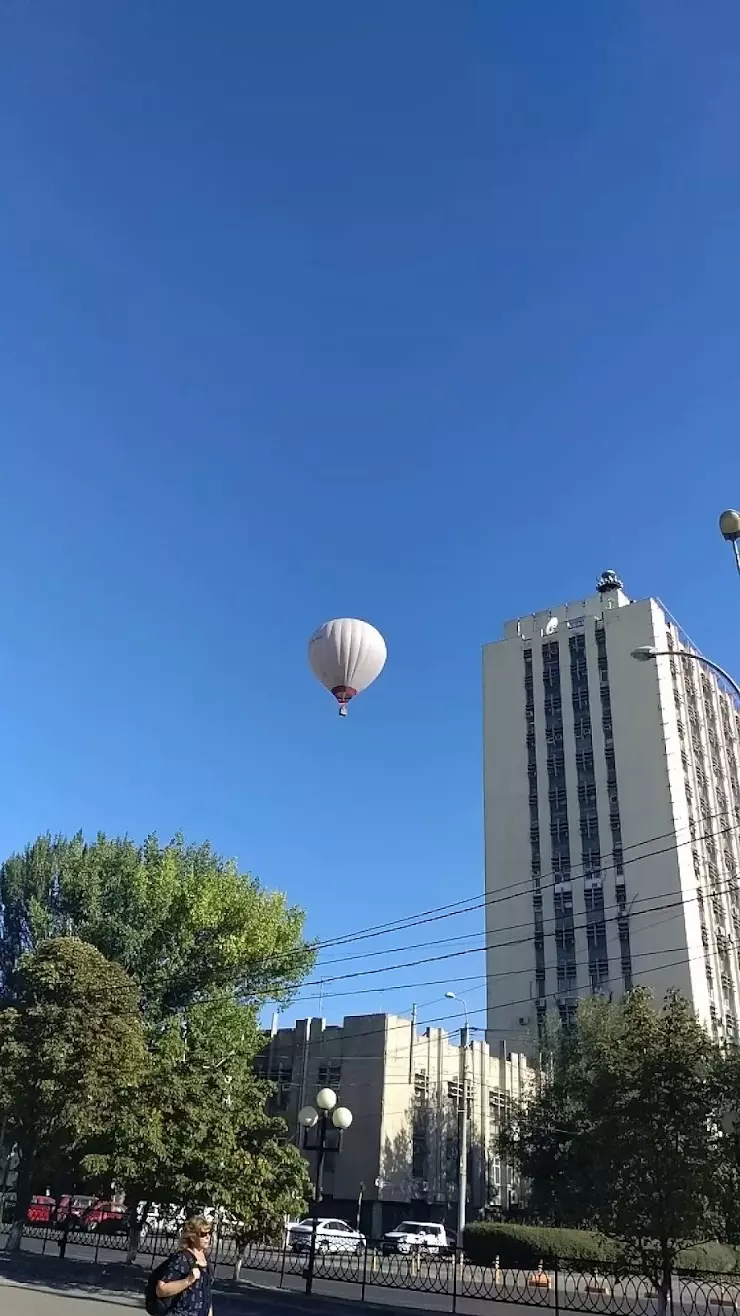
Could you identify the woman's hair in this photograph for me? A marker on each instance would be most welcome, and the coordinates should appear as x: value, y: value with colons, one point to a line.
x: 194, y: 1226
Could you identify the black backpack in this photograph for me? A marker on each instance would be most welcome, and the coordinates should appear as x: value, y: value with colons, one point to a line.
x: 155, y: 1305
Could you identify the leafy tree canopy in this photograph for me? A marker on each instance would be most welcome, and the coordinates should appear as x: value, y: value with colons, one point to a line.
x: 625, y: 1131
x: 204, y: 946
x: 72, y: 1050
x: 199, y: 1133
x: 180, y: 920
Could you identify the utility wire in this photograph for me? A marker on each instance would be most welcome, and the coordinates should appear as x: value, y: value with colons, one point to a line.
x: 518, y: 941
x: 527, y: 1000
x: 432, y: 915
x: 408, y: 964
x: 502, y: 894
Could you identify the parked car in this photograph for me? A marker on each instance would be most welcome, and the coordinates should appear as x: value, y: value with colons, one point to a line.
x: 418, y: 1236
x: 41, y: 1210
x: 76, y: 1208
x: 331, y: 1236
x: 106, y: 1218
x: 164, y: 1218
x: 83, y: 1213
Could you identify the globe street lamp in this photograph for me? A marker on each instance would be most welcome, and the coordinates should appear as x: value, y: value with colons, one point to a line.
x: 310, y: 1118
x: 729, y: 526
x: 646, y: 652
x: 462, y: 1165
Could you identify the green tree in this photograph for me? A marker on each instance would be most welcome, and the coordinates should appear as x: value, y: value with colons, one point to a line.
x: 542, y: 1135
x: 72, y: 1053
x: 207, y: 946
x: 198, y: 1133
x: 730, y: 1183
x: 180, y: 920
x: 625, y: 1132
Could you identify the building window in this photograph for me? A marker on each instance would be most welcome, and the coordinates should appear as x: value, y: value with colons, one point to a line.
x: 418, y: 1155
x: 498, y: 1105
x: 421, y: 1086
x: 281, y: 1074
x: 454, y: 1092
x: 594, y: 897
x: 330, y: 1074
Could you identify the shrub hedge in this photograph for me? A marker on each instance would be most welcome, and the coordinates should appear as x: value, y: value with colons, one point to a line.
x: 520, y: 1246
x: 524, y: 1246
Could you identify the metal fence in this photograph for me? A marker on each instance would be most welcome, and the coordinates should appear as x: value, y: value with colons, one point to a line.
x: 452, y: 1283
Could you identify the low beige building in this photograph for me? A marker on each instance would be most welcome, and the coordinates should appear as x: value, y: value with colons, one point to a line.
x: 399, y: 1159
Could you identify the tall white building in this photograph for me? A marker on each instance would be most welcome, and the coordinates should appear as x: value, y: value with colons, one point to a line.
x: 612, y: 800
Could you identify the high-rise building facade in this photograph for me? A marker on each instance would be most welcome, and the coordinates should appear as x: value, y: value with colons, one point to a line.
x: 612, y: 800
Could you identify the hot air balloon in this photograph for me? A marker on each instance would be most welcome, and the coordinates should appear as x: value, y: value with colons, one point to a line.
x: 346, y: 655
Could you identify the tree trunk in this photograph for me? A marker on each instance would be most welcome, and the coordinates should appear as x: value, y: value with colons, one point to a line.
x: 663, y: 1286
x: 238, y: 1264
x: 23, y: 1199
x: 134, y: 1232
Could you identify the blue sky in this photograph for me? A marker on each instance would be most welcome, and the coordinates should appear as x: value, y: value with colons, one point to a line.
x: 425, y: 313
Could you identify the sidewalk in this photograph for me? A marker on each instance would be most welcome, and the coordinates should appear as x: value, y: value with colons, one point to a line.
x: 33, y: 1278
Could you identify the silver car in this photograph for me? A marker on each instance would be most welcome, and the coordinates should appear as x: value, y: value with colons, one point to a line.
x: 331, y: 1236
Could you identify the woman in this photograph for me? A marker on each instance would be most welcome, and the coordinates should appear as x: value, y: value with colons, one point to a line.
x: 188, y: 1280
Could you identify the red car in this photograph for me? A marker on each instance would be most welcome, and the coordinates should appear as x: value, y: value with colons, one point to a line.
x: 41, y: 1210
x: 108, y: 1217
x: 44, y: 1210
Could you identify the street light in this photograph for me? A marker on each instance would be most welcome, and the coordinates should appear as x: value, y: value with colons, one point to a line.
x: 462, y: 1167
x: 646, y: 652
x: 729, y: 527
x: 309, y: 1118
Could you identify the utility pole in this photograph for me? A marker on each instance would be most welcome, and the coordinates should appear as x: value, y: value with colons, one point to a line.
x: 462, y: 1175
x: 411, y: 1044
x: 462, y: 1141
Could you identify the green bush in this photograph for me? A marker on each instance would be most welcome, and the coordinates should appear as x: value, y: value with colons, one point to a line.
x: 524, y: 1246
x: 719, y: 1257
x: 520, y: 1246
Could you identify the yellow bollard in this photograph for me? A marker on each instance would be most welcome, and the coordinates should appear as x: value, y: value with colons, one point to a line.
x: 538, y: 1279
x: 497, y: 1270
x: 374, y: 1266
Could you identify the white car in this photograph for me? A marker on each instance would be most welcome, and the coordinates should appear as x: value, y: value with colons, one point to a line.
x: 331, y: 1236
x: 417, y: 1236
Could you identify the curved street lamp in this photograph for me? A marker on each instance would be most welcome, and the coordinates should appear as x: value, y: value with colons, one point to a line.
x: 646, y: 652
x: 309, y: 1118
x: 729, y: 527
x: 462, y: 1165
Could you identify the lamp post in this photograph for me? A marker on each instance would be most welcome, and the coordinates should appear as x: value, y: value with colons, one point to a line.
x: 729, y: 528
x: 647, y: 652
x: 309, y: 1118
x: 462, y: 1168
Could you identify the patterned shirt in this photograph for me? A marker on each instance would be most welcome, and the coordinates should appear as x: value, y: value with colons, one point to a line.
x: 195, y: 1301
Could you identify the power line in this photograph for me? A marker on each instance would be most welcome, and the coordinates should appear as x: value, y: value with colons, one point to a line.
x: 474, y: 977
x: 528, y: 1000
x: 507, y: 892
x: 517, y: 941
x: 363, y: 973
x: 434, y: 914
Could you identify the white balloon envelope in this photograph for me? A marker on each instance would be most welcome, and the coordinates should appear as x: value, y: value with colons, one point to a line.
x: 346, y: 655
